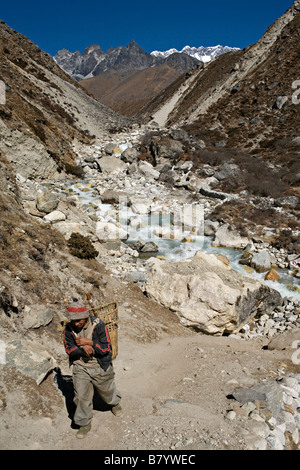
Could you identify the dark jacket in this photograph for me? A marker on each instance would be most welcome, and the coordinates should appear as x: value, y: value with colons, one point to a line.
x: 101, y: 343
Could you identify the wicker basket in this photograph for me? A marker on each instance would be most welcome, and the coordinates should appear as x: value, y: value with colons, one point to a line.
x: 109, y: 315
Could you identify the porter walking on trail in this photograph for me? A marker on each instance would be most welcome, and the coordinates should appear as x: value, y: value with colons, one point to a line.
x: 88, y: 345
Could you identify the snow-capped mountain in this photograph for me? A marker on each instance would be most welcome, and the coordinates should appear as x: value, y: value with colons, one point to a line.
x: 203, y: 54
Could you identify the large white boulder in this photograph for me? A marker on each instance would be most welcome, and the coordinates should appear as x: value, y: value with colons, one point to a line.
x: 106, y: 231
x: 205, y: 293
x: 229, y: 238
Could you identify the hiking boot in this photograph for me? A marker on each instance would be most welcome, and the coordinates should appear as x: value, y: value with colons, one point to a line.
x: 117, y: 410
x: 82, y: 432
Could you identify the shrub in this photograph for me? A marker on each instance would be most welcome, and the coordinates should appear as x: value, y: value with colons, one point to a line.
x: 81, y: 246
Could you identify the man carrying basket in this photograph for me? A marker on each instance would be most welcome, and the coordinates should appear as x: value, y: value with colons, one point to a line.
x: 89, y: 348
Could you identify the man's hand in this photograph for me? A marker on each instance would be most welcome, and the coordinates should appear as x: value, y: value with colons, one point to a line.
x: 88, y: 350
x: 83, y: 341
x: 86, y: 345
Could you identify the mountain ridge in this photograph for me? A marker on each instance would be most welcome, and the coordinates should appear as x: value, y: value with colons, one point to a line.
x: 94, y: 61
x: 100, y: 73
x: 202, y: 53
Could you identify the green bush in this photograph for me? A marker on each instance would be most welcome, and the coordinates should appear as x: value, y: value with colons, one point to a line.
x: 81, y: 247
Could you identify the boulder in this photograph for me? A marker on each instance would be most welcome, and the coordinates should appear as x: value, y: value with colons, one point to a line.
x: 109, y: 148
x: 210, y: 228
x: 111, y: 164
x: 106, y: 231
x: 227, y: 170
x: 110, y: 196
x: 36, y: 316
x: 261, y: 261
x: 272, y: 275
x: 148, y: 171
x: 194, y: 183
x: 136, y: 223
x: 30, y: 358
x: 168, y: 233
x: 46, y: 201
x: 55, y: 216
x: 206, y: 294
x: 170, y: 149
x: 227, y: 237
x: 135, y: 276
x: 267, y: 394
x: 289, y: 340
x: 149, y: 247
x: 139, y: 205
x: 67, y: 228
x: 129, y: 155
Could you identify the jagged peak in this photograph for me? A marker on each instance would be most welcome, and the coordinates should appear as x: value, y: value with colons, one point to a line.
x: 92, y: 48
x: 134, y: 45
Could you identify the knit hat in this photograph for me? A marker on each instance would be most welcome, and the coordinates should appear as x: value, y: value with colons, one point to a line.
x: 76, y: 310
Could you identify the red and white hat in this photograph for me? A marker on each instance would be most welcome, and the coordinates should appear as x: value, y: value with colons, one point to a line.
x: 76, y: 310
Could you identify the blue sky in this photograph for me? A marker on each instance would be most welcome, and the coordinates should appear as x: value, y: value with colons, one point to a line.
x: 154, y: 25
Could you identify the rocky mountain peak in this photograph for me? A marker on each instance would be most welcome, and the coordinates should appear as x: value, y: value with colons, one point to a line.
x: 134, y: 45
x: 93, y: 48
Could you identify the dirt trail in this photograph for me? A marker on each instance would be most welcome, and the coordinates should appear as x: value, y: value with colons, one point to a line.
x: 175, y: 385
x: 174, y: 395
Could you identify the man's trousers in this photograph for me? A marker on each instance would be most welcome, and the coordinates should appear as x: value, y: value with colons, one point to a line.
x: 84, y: 381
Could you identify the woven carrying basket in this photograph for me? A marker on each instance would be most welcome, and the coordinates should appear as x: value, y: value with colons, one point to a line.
x: 109, y: 315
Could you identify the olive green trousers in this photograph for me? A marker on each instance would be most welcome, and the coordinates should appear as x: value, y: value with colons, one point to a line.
x: 84, y: 381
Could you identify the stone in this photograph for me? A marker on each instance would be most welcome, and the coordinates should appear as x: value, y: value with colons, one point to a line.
x: 249, y: 407
x: 206, y: 294
x: 289, y: 421
x: 227, y: 170
x: 149, y: 247
x: 170, y: 149
x: 55, y: 216
x: 148, y: 171
x: 140, y: 208
x: 109, y: 148
x: 36, y: 316
x: 31, y: 359
x: 274, y: 442
x: 280, y: 102
x: 246, y: 395
x: 261, y: 261
x: 135, y: 276
x: 210, y: 228
x: 226, y: 237
x: 111, y: 164
x: 110, y: 196
x: 136, y: 223
x: 285, y: 340
x: 106, y: 231
x: 168, y: 233
x: 272, y: 275
x: 194, y: 183
x: 287, y: 201
x: 231, y: 415
x: 129, y: 155
x: 46, y: 201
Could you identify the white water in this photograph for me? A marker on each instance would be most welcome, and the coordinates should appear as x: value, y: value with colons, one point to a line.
x: 175, y: 249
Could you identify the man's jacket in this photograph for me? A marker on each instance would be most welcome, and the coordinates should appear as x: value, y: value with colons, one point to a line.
x: 101, y: 343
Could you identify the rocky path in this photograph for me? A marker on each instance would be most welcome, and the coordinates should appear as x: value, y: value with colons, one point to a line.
x: 176, y: 395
